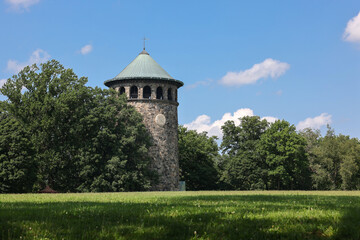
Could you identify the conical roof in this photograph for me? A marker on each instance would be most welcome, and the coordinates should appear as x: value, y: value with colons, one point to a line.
x: 143, y: 67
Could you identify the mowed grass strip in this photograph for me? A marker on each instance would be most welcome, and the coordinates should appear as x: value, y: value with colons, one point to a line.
x: 182, y: 215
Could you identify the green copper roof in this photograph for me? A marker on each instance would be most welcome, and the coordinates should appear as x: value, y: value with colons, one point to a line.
x: 143, y: 67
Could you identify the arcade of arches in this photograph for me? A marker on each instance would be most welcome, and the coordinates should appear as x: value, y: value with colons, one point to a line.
x: 147, y: 92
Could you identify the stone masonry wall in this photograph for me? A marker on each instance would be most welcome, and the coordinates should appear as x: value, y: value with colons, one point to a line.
x: 164, y: 151
x: 165, y: 140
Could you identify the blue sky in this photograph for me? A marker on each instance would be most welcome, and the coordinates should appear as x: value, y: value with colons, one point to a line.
x: 280, y: 59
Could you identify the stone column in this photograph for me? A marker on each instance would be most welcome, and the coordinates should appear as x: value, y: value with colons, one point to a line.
x: 153, y: 91
x: 127, y: 92
x: 140, y: 92
x: 165, y: 93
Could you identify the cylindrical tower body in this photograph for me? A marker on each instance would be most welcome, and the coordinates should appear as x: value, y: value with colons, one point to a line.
x: 153, y: 92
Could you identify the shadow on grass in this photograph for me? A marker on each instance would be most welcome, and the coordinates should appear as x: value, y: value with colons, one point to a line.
x: 349, y: 225
x: 184, y: 217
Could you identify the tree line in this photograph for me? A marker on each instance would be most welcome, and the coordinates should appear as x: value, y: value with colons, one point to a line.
x: 258, y: 155
x: 56, y: 131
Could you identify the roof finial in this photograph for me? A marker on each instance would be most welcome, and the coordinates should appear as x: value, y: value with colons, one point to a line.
x: 144, y: 41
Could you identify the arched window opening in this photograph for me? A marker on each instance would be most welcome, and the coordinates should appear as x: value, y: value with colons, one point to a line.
x: 176, y: 95
x: 147, y: 92
x: 170, y: 94
x: 159, y: 93
x: 133, y: 92
x: 122, y: 90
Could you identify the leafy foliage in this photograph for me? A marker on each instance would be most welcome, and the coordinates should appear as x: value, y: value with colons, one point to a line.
x: 198, y: 155
x: 283, y: 150
x: 244, y: 168
x: 82, y: 138
x: 263, y: 156
x: 17, y: 167
x: 54, y: 130
x: 335, y: 160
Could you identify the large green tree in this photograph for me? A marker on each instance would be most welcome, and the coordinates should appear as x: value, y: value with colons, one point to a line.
x: 82, y: 138
x: 198, y: 158
x: 244, y: 169
x: 335, y: 161
x: 283, y: 150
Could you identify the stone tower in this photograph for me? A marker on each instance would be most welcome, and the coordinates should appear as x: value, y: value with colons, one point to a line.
x: 153, y: 92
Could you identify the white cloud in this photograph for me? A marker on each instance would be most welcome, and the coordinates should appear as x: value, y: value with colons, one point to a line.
x: 270, y: 119
x: 279, y: 93
x: 86, y: 49
x: 2, y: 82
x: 21, y: 4
x: 199, y: 83
x: 352, y: 30
x: 268, y: 68
x: 38, y: 56
x: 316, y: 122
x: 203, y: 122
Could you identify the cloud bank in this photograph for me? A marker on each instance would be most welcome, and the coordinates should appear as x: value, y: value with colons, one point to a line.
x: 203, y: 122
x: 352, y: 30
x: 268, y: 68
x: 86, y: 49
x: 316, y: 122
x: 38, y: 56
x: 20, y: 5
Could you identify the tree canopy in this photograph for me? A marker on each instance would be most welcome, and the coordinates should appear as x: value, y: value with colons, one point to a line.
x: 259, y: 155
x: 198, y: 156
x: 335, y: 160
x: 77, y: 138
x: 56, y: 131
x: 244, y: 168
x: 283, y: 150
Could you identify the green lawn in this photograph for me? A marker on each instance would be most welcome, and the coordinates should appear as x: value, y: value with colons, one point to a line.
x: 181, y: 215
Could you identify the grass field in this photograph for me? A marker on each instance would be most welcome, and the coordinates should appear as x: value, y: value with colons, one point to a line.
x: 181, y: 215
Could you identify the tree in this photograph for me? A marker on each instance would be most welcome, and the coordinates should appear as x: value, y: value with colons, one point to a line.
x: 17, y: 167
x: 336, y: 163
x: 83, y: 138
x: 350, y: 164
x: 244, y: 168
x: 198, y: 154
x: 284, y: 152
x: 313, y: 139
